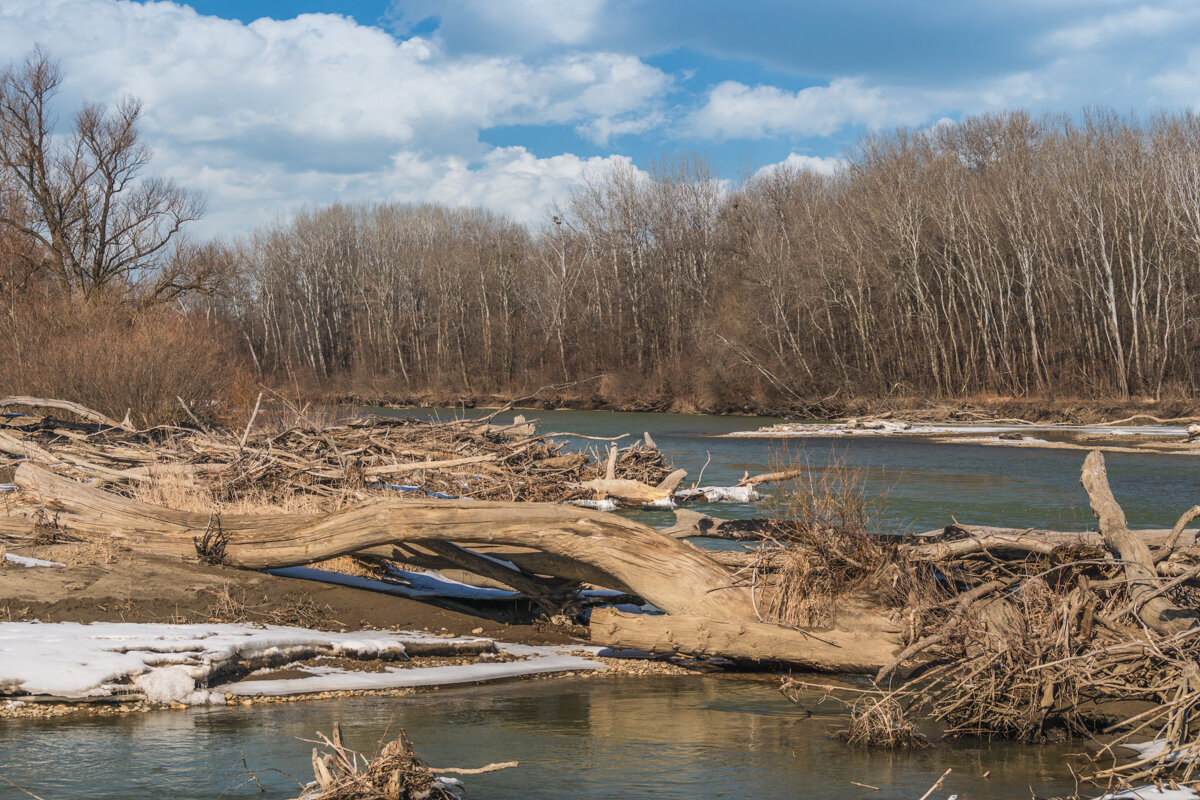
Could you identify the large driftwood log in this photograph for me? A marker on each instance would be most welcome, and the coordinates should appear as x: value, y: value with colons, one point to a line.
x: 1156, y: 611
x: 64, y: 405
x: 672, y: 576
x: 823, y: 650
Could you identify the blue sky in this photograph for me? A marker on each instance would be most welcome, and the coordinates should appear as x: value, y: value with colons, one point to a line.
x: 511, y: 104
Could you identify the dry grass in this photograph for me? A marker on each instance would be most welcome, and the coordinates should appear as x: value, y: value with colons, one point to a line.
x: 116, y: 357
x: 880, y: 722
x: 182, y: 492
x: 825, y: 545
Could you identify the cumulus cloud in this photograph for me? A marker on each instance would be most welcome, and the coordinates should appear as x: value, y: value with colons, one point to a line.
x: 508, y: 180
x: 735, y: 110
x: 822, y: 165
x: 317, y: 107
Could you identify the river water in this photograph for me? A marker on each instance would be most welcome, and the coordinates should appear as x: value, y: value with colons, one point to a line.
x: 592, y: 738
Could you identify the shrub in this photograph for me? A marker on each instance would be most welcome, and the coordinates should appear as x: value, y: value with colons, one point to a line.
x: 117, y: 357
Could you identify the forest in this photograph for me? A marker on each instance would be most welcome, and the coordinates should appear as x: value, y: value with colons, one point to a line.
x: 1002, y: 255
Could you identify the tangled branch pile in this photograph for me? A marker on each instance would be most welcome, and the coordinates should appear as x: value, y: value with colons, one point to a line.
x: 461, y: 458
x: 397, y: 773
x: 1050, y: 634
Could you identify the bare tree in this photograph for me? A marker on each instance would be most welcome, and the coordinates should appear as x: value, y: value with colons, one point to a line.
x: 100, y: 223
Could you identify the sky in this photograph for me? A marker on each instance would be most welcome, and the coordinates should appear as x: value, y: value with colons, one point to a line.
x: 265, y: 106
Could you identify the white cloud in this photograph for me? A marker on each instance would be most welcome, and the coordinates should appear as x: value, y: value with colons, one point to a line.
x: 822, y: 165
x: 277, y: 112
x: 1143, y: 21
x: 735, y: 110
x: 509, y: 180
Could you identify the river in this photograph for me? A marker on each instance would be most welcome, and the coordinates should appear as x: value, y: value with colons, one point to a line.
x: 592, y: 738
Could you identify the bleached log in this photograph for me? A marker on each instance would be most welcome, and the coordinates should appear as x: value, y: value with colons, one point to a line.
x: 627, y: 491
x: 64, y: 405
x: 822, y: 650
x: 672, y: 576
x: 1157, y: 612
x: 771, y: 477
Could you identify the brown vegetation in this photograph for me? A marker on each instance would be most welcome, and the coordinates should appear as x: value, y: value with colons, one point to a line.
x: 1001, y: 256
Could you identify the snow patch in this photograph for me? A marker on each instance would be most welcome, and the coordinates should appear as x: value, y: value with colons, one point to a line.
x: 170, y: 685
x: 396, y: 678
x: 1151, y: 793
x: 101, y: 659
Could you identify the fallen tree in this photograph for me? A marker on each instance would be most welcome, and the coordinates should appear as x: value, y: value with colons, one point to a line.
x: 824, y: 650
x: 618, y: 551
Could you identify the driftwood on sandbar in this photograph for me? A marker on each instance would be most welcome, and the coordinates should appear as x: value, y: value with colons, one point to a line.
x: 617, y: 550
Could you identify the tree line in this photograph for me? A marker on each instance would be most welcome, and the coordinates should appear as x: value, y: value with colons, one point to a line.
x: 1003, y: 255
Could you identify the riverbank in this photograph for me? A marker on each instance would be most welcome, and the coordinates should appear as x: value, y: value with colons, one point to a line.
x: 589, y: 396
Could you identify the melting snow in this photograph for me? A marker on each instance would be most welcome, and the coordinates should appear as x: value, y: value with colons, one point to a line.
x: 722, y: 494
x: 607, y: 504
x: 396, y: 678
x: 1152, y: 793
x: 102, y: 659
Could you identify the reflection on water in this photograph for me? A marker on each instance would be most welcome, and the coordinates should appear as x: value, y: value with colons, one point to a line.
x: 576, y: 738
x: 925, y: 485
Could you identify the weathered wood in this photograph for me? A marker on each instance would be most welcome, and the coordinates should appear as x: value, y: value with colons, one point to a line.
x: 672, y: 481
x: 676, y: 578
x: 822, y: 650
x: 64, y: 405
x: 625, y: 490
x: 772, y: 477
x: 1161, y: 615
x: 692, y: 523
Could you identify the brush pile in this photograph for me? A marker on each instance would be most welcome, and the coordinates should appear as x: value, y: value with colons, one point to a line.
x: 348, y: 459
x: 1041, y: 635
x: 396, y: 773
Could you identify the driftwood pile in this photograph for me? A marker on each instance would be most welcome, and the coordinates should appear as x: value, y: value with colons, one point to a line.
x: 395, y: 773
x: 1042, y: 635
x: 461, y: 458
x: 74, y: 480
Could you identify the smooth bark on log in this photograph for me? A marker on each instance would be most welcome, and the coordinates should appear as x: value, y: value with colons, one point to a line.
x: 672, y: 481
x: 1153, y: 537
x: 64, y: 405
x: 627, y: 491
x: 822, y: 650
x: 676, y: 578
x: 1161, y: 615
x: 771, y: 477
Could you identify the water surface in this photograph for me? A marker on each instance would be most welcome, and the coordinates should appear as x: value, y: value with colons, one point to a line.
x: 924, y: 485
x: 582, y: 739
